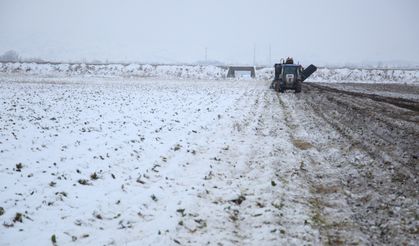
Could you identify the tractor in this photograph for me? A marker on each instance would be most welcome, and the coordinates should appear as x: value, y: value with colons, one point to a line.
x: 290, y: 76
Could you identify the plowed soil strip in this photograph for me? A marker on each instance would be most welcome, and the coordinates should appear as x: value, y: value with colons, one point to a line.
x: 399, y: 102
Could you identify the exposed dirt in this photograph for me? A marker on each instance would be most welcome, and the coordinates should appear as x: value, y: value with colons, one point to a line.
x: 375, y: 149
x: 400, y: 102
x: 377, y: 87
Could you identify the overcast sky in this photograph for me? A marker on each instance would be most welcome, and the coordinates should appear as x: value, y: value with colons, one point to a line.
x: 322, y: 31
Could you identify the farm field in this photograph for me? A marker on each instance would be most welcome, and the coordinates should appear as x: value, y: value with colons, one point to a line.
x: 218, y: 162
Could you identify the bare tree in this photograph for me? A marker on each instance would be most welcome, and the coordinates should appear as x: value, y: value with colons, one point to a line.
x: 9, y: 56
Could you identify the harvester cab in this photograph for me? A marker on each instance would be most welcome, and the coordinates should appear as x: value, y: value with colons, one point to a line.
x: 290, y: 76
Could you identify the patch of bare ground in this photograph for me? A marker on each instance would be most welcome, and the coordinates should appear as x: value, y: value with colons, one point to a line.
x: 301, y: 144
x: 371, y: 144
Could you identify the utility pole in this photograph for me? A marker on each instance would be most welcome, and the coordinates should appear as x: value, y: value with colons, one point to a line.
x: 206, y: 55
x: 270, y: 55
x: 254, y: 55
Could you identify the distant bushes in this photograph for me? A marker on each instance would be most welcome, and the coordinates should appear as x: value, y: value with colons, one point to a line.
x: 9, y: 56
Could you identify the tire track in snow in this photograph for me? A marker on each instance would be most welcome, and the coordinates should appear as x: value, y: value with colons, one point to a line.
x: 329, y: 209
x: 254, y: 195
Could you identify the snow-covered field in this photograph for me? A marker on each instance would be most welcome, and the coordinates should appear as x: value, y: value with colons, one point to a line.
x: 153, y: 162
x: 95, y: 161
x: 329, y: 75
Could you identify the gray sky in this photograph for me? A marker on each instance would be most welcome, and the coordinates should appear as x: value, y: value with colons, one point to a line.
x: 322, y: 31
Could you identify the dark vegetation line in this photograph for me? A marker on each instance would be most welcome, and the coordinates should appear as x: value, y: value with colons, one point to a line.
x: 399, y: 102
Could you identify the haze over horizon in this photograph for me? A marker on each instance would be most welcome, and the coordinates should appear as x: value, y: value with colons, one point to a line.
x: 164, y: 31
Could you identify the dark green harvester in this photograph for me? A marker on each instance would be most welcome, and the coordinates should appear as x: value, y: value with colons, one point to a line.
x: 290, y: 76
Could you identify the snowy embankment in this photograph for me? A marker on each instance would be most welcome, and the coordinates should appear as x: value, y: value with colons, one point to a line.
x: 355, y: 75
x: 335, y: 75
x: 115, y: 70
x: 366, y: 75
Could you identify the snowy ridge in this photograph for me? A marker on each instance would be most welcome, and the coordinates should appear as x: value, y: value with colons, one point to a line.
x: 205, y: 72
x: 366, y: 75
x: 115, y: 70
x: 355, y: 75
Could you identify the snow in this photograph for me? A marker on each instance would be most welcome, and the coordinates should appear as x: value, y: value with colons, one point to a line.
x: 170, y: 157
x: 365, y: 76
x: 353, y: 75
x: 116, y: 154
x: 326, y: 75
x: 114, y: 70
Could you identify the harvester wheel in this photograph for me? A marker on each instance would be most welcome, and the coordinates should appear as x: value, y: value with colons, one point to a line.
x: 298, y: 87
x: 272, y: 86
x: 281, y: 87
x: 276, y: 86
